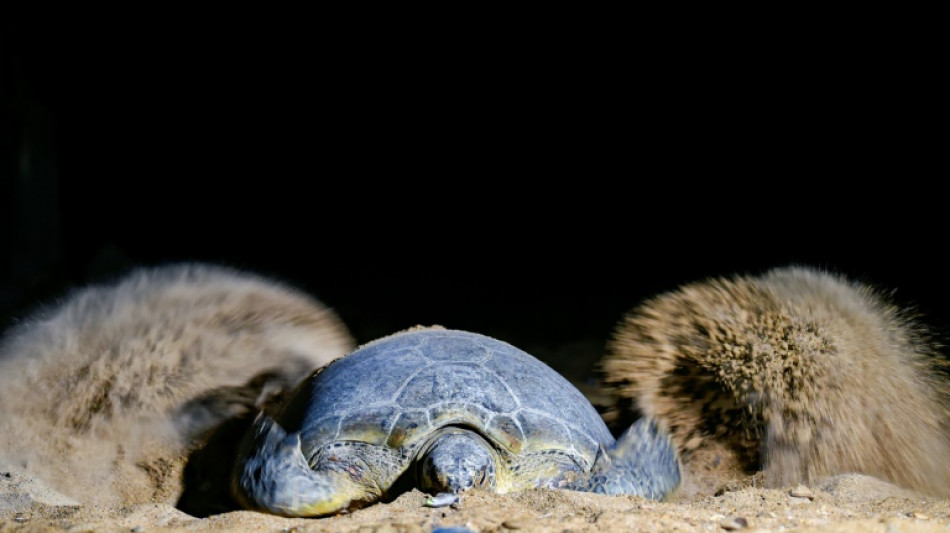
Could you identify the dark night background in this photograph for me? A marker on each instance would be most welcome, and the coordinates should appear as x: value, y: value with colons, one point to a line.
x: 533, y: 193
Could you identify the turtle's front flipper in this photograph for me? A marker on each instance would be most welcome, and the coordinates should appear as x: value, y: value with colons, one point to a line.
x: 274, y: 476
x: 643, y: 462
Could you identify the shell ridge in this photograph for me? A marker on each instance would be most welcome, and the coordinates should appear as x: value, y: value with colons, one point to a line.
x: 417, y: 349
x: 489, y: 353
x: 395, y: 406
x: 568, y: 427
x: 440, y: 405
x: 339, y: 428
x: 505, y: 385
x: 392, y: 426
x: 339, y: 424
x: 405, y: 384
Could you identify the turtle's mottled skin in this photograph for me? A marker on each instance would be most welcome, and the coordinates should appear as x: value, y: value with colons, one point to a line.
x: 454, y: 409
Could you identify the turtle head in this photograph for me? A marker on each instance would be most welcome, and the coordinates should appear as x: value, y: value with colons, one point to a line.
x: 457, y: 459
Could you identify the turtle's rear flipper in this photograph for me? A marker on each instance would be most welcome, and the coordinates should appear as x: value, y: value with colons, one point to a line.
x: 643, y: 462
x: 275, y: 477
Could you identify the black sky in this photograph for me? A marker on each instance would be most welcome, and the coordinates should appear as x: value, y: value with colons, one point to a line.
x: 535, y: 195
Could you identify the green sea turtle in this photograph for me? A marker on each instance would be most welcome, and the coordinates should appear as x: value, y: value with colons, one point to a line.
x: 452, y: 410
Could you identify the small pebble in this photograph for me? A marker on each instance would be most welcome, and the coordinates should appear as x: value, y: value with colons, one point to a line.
x: 732, y: 523
x: 137, y: 529
x: 915, y: 514
x: 802, y: 491
x: 511, y: 524
x: 444, y: 499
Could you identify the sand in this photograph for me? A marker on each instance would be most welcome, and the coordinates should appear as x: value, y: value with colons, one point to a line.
x: 847, y: 503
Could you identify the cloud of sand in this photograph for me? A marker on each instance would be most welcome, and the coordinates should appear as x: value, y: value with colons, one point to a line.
x: 102, y: 395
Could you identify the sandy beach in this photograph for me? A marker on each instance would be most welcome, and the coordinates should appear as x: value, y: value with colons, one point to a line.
x: 848, y: 503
